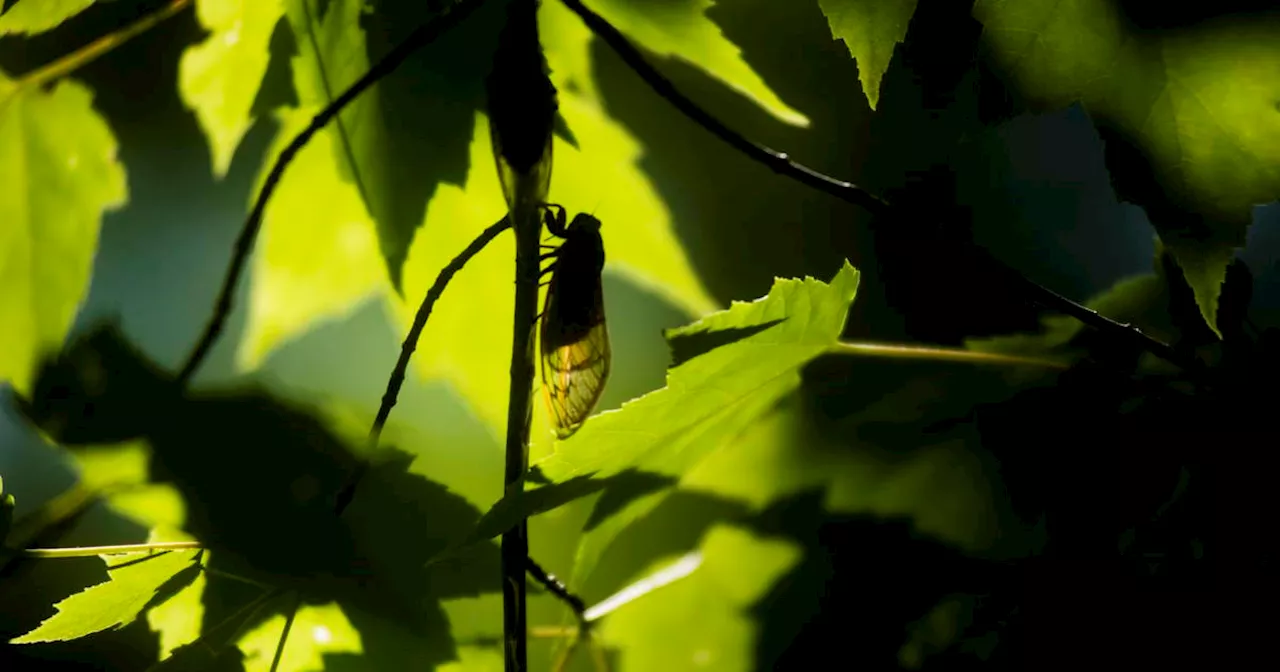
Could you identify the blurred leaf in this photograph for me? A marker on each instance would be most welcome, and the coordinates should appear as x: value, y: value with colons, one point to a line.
x: 703, y: 622
x: 316, y: 631
x: 37, y: 16
x: 674, y: 29
x: 870, y: 29
x: 58, y: 174
x: 219, y: 78
x: 318, y: 253
x: 1190, y: 119
x: 135, y: 580
x: 471, y: 322
x: 708, y: 403
x: 331, y: 57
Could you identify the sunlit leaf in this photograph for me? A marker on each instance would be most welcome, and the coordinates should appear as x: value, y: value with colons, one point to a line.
x: 58, y: 174
x: 703, y: 621
x: 468, y: 340
x: 316, y: 630
x: 331, y: 57
x: 219, y: 78
x: 37, y: 16
x: 870, y: 29
x: 707, y: 404
x: 318, y: 254
x: 178, y: 619
x: 677, y: 29
x: 134, y: 581
x: 1190, y: 117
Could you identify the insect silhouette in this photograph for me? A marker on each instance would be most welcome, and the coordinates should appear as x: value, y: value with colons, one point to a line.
x: 575, y: 340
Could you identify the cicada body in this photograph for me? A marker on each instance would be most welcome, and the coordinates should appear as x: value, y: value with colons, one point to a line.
x: 574, y: 338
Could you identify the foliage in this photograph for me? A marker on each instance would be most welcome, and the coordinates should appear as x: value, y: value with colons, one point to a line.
x: 915, y: 510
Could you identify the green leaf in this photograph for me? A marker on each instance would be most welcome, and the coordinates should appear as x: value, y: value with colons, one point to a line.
x: 37, y: 16
x: 316, y: 631
x: 331, y: 57
x: 317, y: 256
x: 708, y: 403
x: 1189, y: 116
x: 870, y: 29
x: 674, y: 29
x: 58, y: 174
x: 703, y: 621
x: 135, y: 580
x: 219, y: 78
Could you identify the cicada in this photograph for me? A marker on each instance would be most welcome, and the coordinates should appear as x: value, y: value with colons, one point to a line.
x: 575, y: 340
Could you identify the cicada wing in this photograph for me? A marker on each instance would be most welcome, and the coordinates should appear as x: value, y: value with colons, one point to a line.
x: 574, y: 373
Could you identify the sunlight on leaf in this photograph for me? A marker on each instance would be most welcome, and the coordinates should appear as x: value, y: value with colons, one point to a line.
x: 178, y: 620
x: 703, y: 621
x: 870, y: 29
x: 707, y: 404
x: 219, y: 78
x: 58, y: 174
x: 37, y: 16
x: 677, y: 29
x: 317, y: 630
x: 1194, y: 109
x: 331, y: 57
x: 134, y: 580
x: 318, y: 254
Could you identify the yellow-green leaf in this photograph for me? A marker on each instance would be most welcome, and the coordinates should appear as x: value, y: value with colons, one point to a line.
x: 58, y: 174
x: 134, y: 580
x: 219, y: 78
x: 703, y: 621
x: 331, y: 57
x: 678, y: 28
x: 1191, y: 121
x: 316, y: 630
x: 317, y: 256
x: 870, y: 29
x: 37, y: 16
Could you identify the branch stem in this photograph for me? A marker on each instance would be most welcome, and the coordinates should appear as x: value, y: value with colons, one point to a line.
x: 91, y: 551
x: 900, y: 351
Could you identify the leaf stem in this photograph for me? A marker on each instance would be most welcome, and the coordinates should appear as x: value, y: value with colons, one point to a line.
x: 411, y: 343
x: 284, y: 634
x: 67, y: 64
x: 90, y: 551
x: 782, y: 164
x: 557, y: 588
x: 901, y: 351
x: 421, y: 36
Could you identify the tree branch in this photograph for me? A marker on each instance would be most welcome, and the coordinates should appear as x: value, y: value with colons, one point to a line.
x: 780, y: 163
x: 422, y: 36
x: 90, y: 551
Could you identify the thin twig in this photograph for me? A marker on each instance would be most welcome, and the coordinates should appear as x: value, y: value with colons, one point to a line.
x: 421, y: 36
x: 284, y: 634
x: 65, y: 65
x: 90, y: 551
x: 898, y: 351
x: 557, y: 588
x: 411, y: 343
x: 780, y: 163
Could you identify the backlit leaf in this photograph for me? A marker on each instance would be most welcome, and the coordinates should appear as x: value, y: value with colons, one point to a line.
x: 316, y: 630
x: 870, y: 29
x: 1190, y: 117
x: 58, y: 174
x: 37, y: 16
x: 134, y: 581
x: 219, y: 78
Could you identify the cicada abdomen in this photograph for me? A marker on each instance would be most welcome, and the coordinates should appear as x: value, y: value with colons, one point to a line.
x: 575, y: 340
